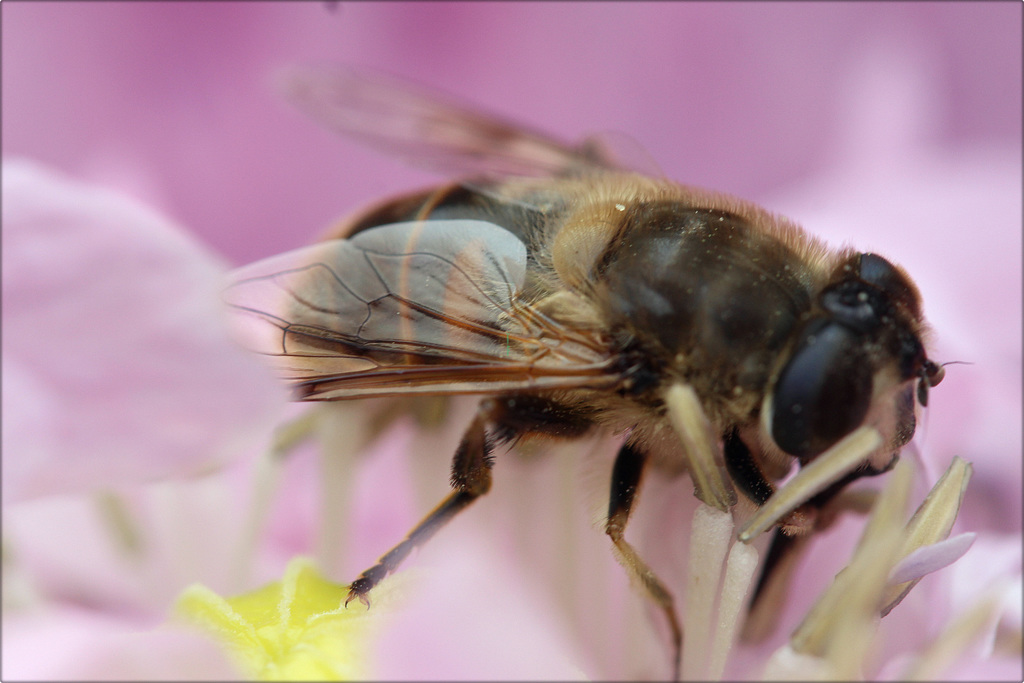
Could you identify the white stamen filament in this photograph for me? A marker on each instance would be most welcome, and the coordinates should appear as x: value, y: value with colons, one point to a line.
x: 739, y: 573
x: 343, y: 434
x: 266, y: 477
x: 709, y: 540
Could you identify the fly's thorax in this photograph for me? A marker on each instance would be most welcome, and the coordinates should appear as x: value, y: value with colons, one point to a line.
x: 715, y: 295
x: 582, y: 239
x: 596, y: 212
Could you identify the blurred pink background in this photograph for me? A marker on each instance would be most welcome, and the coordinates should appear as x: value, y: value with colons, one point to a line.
x: 895, y: 127
x: 171, y: 100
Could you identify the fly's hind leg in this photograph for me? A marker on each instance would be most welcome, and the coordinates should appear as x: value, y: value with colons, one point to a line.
x: 471, y: 478
x: 626, y: 474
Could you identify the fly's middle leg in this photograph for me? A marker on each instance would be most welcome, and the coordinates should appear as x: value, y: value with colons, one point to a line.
x: 626, y: 475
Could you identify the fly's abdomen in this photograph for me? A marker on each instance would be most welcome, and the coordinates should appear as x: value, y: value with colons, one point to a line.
x: 451, y: 202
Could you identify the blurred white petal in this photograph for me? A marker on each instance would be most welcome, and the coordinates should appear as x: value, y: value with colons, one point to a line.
x: 69, y: 643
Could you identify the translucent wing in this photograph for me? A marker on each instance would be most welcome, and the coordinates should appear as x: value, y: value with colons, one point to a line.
x: 430, y: 129
x: 423, y: 307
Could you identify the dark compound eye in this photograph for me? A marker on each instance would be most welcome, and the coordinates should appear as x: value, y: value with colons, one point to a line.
x: 824, y: 391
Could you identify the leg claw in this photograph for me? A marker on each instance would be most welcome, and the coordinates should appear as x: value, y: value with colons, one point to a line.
x: 355, y: 593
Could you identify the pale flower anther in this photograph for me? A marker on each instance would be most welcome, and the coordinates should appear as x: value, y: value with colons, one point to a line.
x: 931, y: 558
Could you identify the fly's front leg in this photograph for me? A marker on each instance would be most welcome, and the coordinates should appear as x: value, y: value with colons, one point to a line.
x: 626, y: 474
x: 471, y: 478
x: 786, y: 546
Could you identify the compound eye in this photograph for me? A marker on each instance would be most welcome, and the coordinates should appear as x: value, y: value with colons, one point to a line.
x: 823, y: 392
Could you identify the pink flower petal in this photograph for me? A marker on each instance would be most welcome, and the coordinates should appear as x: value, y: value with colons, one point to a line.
x: 117, y: 367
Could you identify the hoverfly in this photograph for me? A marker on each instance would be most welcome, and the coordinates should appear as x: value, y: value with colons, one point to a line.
x: 573, y: 294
